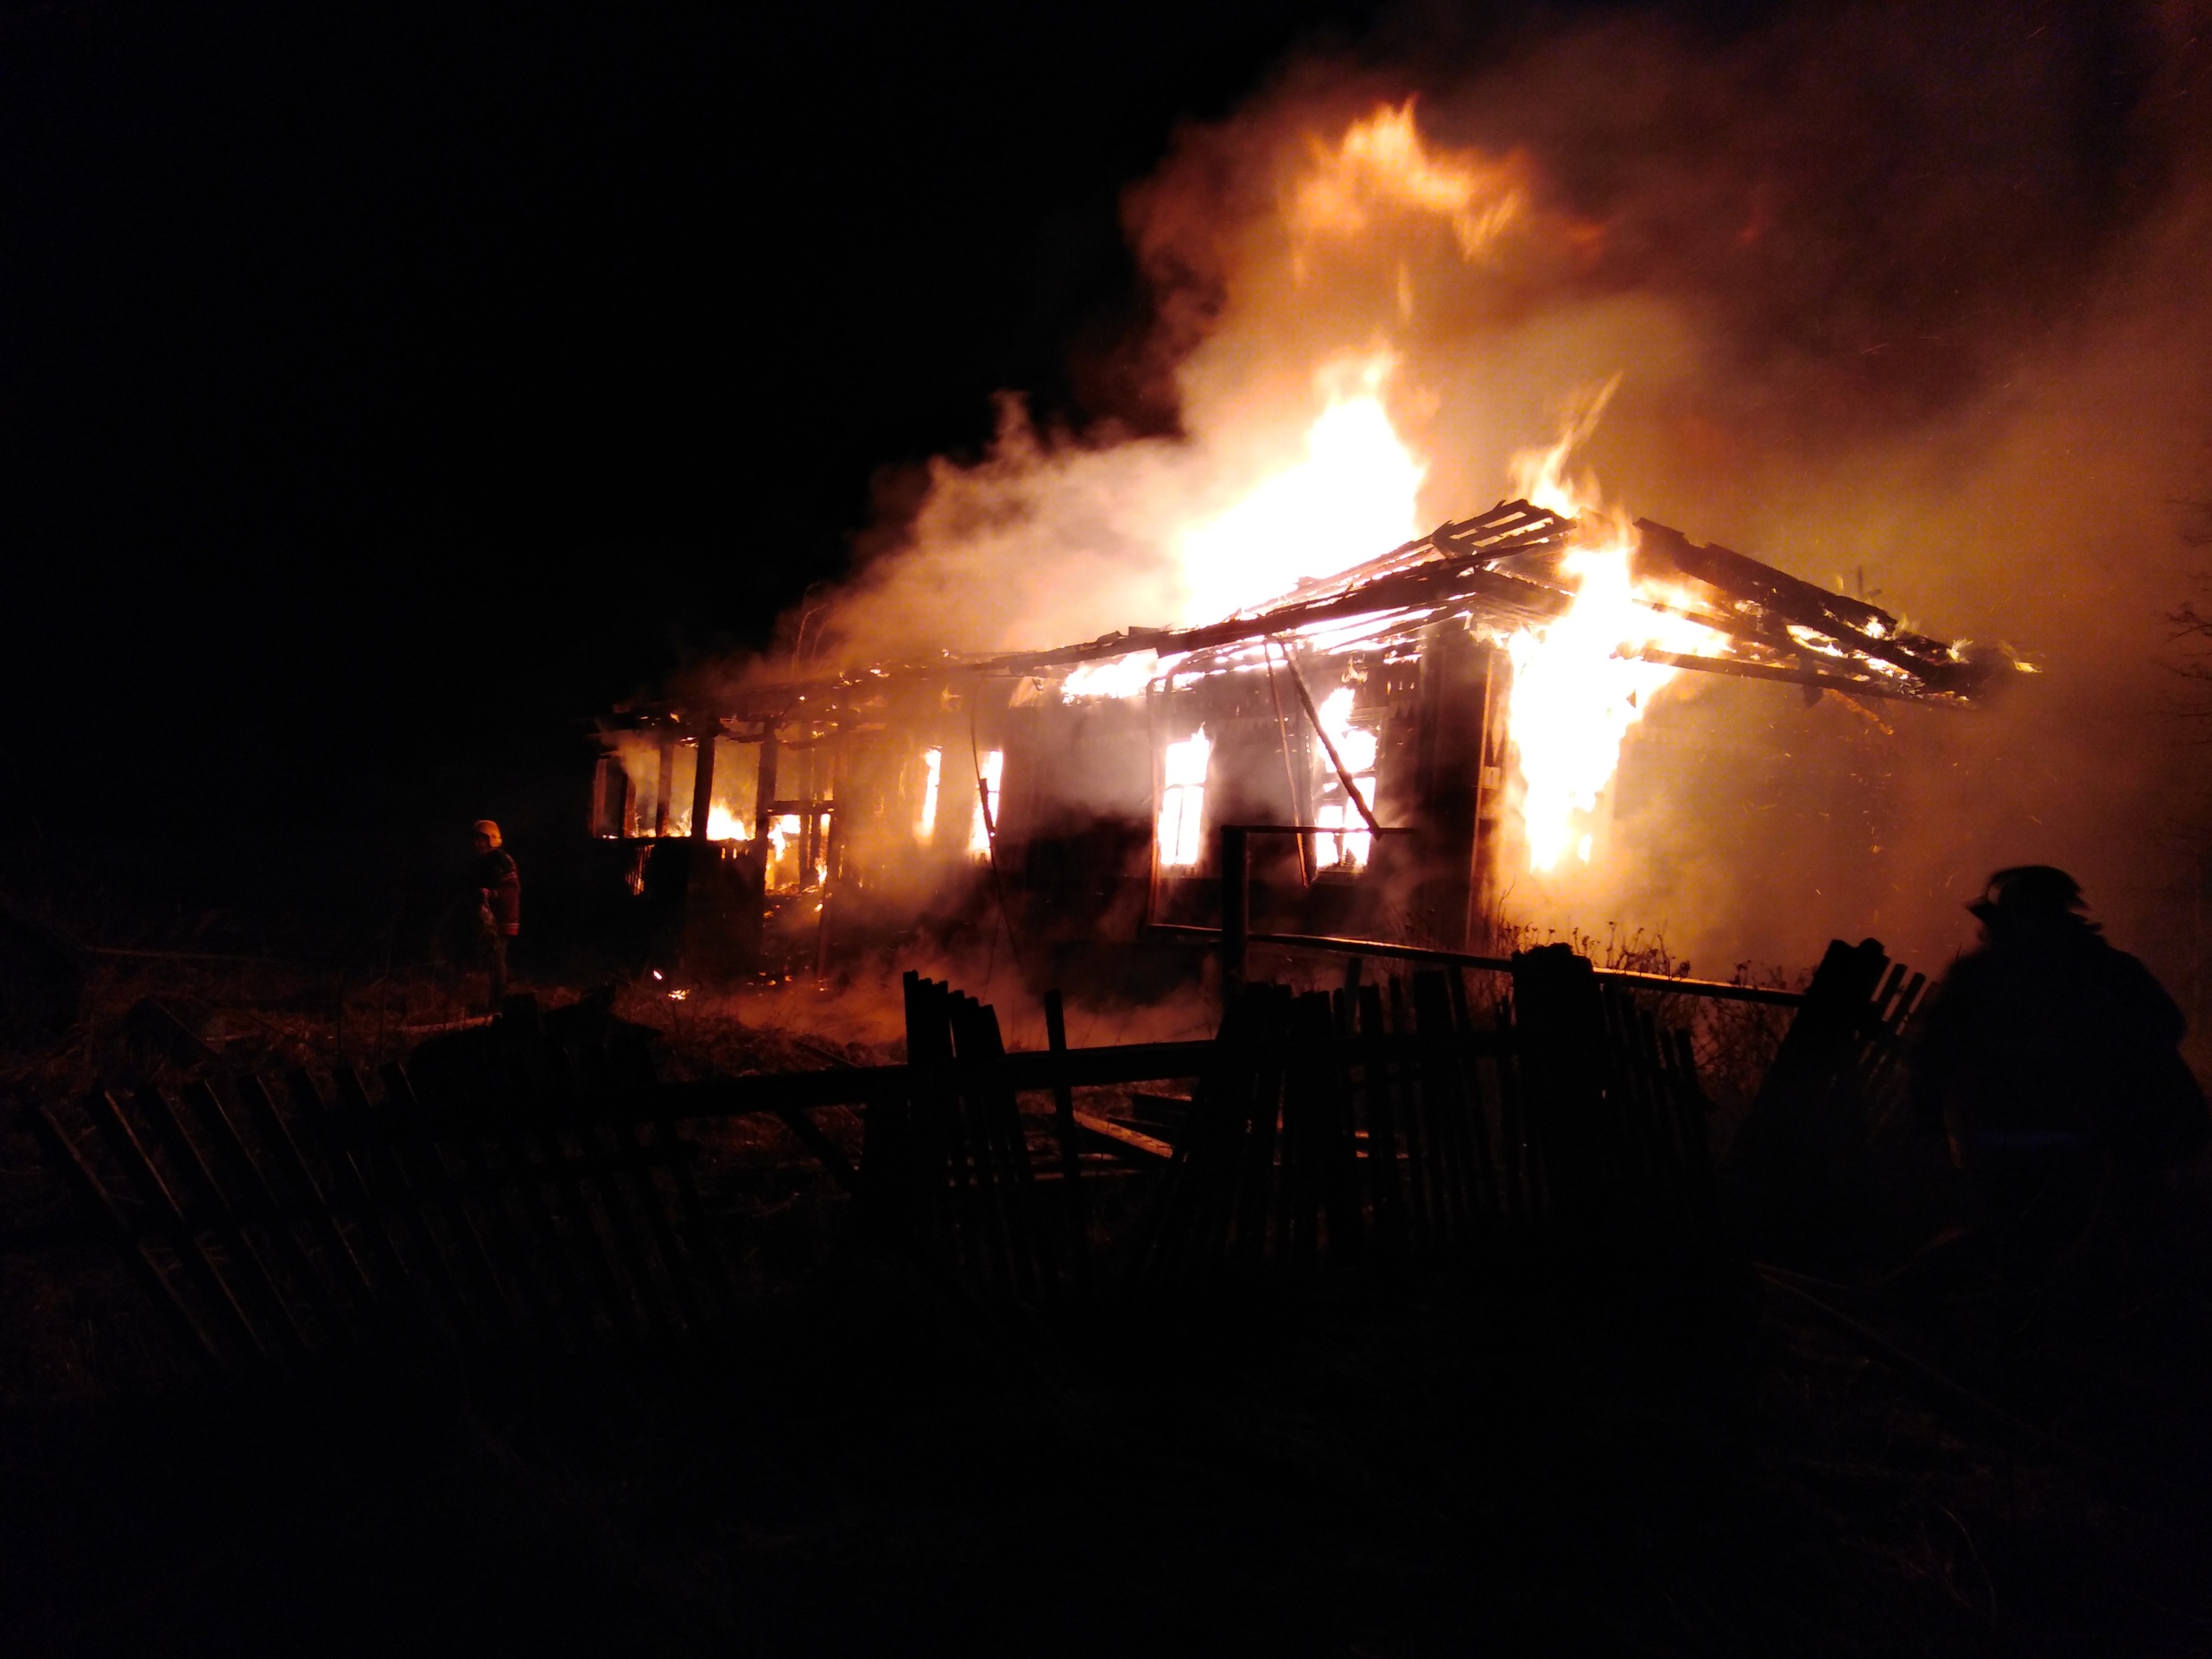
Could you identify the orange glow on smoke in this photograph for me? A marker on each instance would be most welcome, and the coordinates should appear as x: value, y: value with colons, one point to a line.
x: 1322, y: 488
x: 1351, y: 496
x: 1381, y: 164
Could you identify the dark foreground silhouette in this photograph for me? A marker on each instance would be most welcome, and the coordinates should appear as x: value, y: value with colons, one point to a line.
x: 2052, y: 1062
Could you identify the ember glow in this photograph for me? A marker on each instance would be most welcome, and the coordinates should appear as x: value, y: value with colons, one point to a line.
x: 1111, y: 677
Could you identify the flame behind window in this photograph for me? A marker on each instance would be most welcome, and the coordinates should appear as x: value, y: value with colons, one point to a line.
x: 979, y: 830
x: 1355, y: 748
x: 1183, y: 800
x: 932, y: 772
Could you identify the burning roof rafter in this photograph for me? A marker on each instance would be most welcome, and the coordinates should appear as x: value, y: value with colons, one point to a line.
x: 1502, y: 570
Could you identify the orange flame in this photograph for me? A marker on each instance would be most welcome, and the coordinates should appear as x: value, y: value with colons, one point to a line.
x: 1580, y: 683
x: 1351, y: 495
x: 1381, y: 164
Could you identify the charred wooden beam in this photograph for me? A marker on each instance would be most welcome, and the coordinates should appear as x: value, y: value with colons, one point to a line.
x: 702, y: 785
x: 1850, y: 622
x: 1869, y: 686
x: 1779, y: 626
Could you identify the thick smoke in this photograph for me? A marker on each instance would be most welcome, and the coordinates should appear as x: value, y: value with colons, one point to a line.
x: 1902, y: 297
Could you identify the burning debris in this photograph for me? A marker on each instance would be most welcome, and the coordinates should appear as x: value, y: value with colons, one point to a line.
x: 1416, y: 726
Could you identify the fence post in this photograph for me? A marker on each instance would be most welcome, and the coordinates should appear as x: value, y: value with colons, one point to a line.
x: 1236, y: 908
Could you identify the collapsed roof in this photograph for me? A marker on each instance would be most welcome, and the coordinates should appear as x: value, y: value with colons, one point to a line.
x: 1504, y: 570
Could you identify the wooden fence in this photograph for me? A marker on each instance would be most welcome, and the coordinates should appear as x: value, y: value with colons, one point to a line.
x: 516, y: 1195
x: 1366, y: 1126
x: 346, y: 1212
x: 1809, y: 1154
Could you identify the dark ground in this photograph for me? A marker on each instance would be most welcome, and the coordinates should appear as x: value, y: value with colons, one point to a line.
x: 1423, y: 1472
x: 1392, y: 1469
x: 388, y: 390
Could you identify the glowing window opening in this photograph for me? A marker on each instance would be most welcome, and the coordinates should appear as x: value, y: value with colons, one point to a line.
x: 1183, y: 801
x: 932, y: 772
x: 1356, y: 746
x: 783, y: 835
x: 979, y: 828
x: 1349, y: 848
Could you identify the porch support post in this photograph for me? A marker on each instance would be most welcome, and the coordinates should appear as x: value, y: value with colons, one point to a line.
x: 1235, y: 909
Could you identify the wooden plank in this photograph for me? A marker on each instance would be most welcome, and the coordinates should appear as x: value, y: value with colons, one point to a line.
x: 456, y: 1207
x: 689, y: 1242
x: 78, y: 1171
x: 416, y: 1188
x: 207, y: 1209
x: 155, y: 1194
x: 310, y: 1205
x: 1119, y: 1138
x: 1000, y: 1115
x: 1253, y: 1192
x: 1445, y: 1098
x: 827, y: 1152
x: 703, y: 1239
x: 1485, y: 1199
x: 629, y: 1248
x: 943, y: 1208
x: 1386, y: 1200
x: 529, y: 1157
x: 1691, y: 1114
x: 1074, y: 1201
x: 1519, y: 1172
x: 1023, y: 1071
x: 470, y: 1203
x: 400, y: 1284
x: 995, y: 1222
x: 1386, y: 1085
x: 1336, y: 1145
x: 1308, y: 1112
x: 257, y: 1203
x: 1216, y: 1181
x: 644, y: 1196
x: 537, y: 1130
x: 1189, y: 1220
x: 1633, y: 1175
x: 368, y: 1137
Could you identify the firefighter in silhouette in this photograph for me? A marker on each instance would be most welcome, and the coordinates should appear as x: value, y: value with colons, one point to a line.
x: 498, y: 886
x: 2052, y: 1061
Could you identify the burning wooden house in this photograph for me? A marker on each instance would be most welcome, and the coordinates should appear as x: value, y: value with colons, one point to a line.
x: 1390, y: 740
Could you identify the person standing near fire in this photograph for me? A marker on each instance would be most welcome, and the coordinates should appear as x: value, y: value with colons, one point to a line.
x: 2052, y: 1061
x: 498, y: 893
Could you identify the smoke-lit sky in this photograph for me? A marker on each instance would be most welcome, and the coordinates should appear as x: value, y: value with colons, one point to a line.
x: 386, y: 391
x: 1905, y: 299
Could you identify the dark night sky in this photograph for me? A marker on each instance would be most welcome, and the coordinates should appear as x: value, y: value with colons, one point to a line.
x: 385, y: 389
